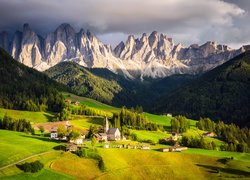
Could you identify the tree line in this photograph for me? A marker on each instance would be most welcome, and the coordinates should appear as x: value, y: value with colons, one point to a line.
x: 20, y: 125
x: 134, y: 119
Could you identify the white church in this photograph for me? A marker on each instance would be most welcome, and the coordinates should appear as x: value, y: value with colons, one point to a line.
x: 110, y: 134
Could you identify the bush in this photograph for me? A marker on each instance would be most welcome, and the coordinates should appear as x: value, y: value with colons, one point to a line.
x: 31, y: 167
x: 101, y: 164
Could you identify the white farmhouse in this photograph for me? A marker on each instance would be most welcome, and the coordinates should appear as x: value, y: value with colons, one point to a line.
x: 53, y: 134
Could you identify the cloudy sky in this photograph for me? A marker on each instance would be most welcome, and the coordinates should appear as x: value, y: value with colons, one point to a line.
x: 187, y: 21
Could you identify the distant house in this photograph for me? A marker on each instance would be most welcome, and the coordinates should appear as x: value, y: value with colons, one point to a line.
x: 178, y: 148
x: 75, y: 103
x: 164, y: 149
x: 53, y: 131
x: 169, y: 115
x: 67, y: 101
x: 145, y: 147
x: 173, y: 149
x: 103, y: 136
x: 79, y: 140
x: 53, y: 134
x: 209, y: 134
x: 71, y: 147
x: 174, y: 136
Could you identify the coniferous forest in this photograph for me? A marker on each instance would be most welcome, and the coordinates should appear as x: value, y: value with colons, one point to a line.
x: 24, y: 88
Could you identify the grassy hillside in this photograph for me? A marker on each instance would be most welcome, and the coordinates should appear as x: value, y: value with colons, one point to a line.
x: 221, y: 94
x: 13, y: 148
x: 34, y: 117
x: 134, y: 164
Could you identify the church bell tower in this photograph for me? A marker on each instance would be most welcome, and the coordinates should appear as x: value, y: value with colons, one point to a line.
x: 106, y: 124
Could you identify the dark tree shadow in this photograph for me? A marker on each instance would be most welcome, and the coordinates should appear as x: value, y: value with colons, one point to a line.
x: 42, y: 138
x: 215, y: 169
x: 60, y: 148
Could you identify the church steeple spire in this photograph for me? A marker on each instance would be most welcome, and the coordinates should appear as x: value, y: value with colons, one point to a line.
x: 106, y: 124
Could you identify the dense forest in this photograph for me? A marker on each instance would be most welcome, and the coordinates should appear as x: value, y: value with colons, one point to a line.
x: 24, y: 88
x: 221, y: 94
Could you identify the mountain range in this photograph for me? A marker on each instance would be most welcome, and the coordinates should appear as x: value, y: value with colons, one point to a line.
x: 151, y: 56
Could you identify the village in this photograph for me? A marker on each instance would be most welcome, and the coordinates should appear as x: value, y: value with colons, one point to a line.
x: 106, y: 136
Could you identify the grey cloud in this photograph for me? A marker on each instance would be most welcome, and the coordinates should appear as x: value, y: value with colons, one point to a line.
x: 188, y: 21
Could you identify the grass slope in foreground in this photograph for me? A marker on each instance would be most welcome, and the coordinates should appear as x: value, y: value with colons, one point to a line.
x: 16, y: 146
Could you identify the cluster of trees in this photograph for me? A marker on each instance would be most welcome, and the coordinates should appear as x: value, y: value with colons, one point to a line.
x: 206, y: 124
x: 20, y: 125
x: 31, y: 167
x: 91, y: 153
x: 72, y: 133
x: 236, y: 138
x: 85, y: 110
x: 133, y: 119
x: 197, y: 142
x: 179, y: 124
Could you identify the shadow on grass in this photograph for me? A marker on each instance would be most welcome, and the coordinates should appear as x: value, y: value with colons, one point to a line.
x: 59, y: 148
x: 49, y: 117
x: 95, y: 120
x: 215, y: 169
x: 41, y: 138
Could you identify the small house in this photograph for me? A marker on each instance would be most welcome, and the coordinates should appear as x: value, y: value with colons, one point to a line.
x: 101, y: 137
x: 71, y: 147
x: 75, y: 103
x: 178, y: 148
x: 164, y: 149
x: 67, y: 101
x: 77, y: 141
x: 169, y: 115
x: 209, y: 134
x: 145, y: 147
x: 53, y: 134
x: 174, y: 136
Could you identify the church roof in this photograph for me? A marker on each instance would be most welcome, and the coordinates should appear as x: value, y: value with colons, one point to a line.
x: 112, y: 130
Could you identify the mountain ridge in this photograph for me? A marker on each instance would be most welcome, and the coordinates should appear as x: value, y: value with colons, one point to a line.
x: 153, y: 56
x: 221, y: 94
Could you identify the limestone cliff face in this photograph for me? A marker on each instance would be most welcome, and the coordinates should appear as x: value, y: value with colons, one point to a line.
x: 152, y: 56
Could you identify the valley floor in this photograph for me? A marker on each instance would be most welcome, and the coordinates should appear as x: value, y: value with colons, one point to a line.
x: 119, y: 163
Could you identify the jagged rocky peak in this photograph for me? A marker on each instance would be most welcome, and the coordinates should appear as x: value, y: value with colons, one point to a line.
x: 131, y: 41
x: 148, y: 56
x: 118, y: 49
x: 153, y: 39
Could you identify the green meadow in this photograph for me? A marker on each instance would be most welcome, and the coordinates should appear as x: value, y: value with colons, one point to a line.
x: 35, y: 117
x: 150, y: 135
x: 16, y: 146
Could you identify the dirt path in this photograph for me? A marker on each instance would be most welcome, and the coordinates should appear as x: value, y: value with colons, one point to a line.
x: 35, y: 155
